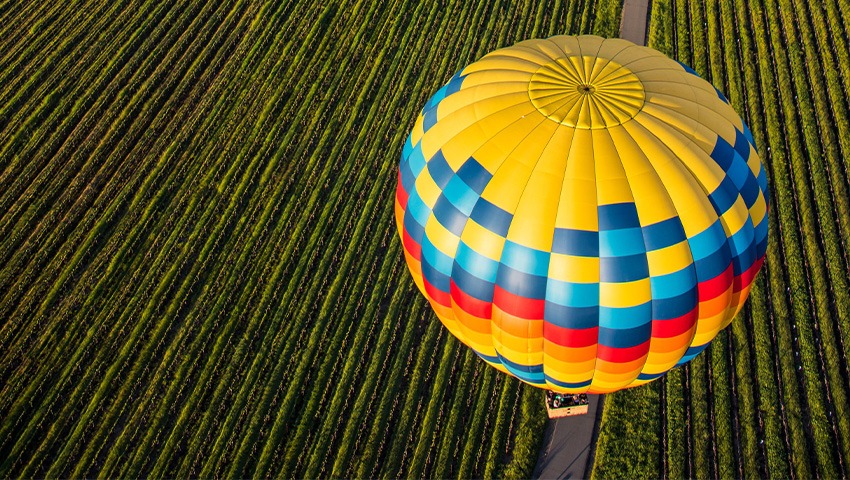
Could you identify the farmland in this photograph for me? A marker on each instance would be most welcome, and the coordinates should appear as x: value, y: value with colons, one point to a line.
x: 770, y: 397
x: 199, y: 271
x: 200, y: 275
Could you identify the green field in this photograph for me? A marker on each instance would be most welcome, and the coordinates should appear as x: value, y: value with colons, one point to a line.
x: 199, y: 269
x: 200, y: 274
x: 771, y: 396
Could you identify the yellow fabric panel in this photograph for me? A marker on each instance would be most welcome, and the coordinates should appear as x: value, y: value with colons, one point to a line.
x: 502, y: 61
x: 651, y: 199
x: 502, y: 77
x: 673, y: 95
x: 665, y: 353
x: 625, y: 294
x: 606, y: 381
x: 619, y: 369
x: 571, y: 355
x: 654, y: 79
x: 444, y: 240
x: 708, y: 326
x: 534, y: 218
x: 754, y: 162
x: 664, y: 105
x: 697, y: 161
x: 687, y: 195
x: 619, y: 51
x: 568, y: 43
x: 427, y: 189
x: 517, y: 349
x: 669, y: 259
x: 707, y: 96
x: 569, y: 268
x: 418, y: 130
x: 533, y: 50
x: 508, y: 182
x: 526, y: 350
x: 483, y: 241
x: 612, y: 185
x: 680, y: 121
x: 551, y: 50
x: 570, y: 372
x: 577, y: 208
x: 481, y: 341
x: 590, y: 44
x: 691, y: 123
x: 758, y: 210
x: 642, y: 63
x: 467, y: 129
x: 479, y: 101
x: 735, y: 218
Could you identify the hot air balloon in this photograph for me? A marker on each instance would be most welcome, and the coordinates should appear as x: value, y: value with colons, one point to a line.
x: 584, y: 213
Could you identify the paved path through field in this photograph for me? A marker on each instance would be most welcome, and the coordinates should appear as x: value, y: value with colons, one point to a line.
x: 633, y: 22
x: 568, y: 444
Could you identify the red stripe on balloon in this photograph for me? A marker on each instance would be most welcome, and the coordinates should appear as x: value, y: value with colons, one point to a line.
x: 718, y: 285
x: 413, y: 248
x: 622, y: 355
x: 746, y: 277
x: 518, y: 306
x: 470, y: 304
x: 674, y: 326
x: 400, y: 193
x: 437, y: 295
x: 570, y: 337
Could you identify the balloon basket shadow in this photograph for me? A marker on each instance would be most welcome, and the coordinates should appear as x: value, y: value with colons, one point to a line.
x: 559, y: 405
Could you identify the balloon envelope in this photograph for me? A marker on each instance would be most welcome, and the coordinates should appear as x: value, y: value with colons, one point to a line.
x: 584, y: 213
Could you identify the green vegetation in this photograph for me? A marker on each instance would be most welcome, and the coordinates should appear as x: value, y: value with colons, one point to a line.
x: 199, y: 270
x: 770, y: 397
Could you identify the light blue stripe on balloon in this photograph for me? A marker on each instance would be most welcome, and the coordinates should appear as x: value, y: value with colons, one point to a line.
x: 762, y: 178
x: 525, y: 259
x: 625, y: 317
x: 621, y: 242
x: 532, y: 374
x: 739, y: 171
x: 708, y: 241
x: 673, y: 284
x: 476, y: 264
x: 417, y: 208
x: 760, y: 232
x: 440, y: 261
x: 571, y: 294
x: 417, y: 160
x: 559, y: 383
x: 743, y: 238
x: 460, y: 195
x: 407, y: 149
x: 438, y: 96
